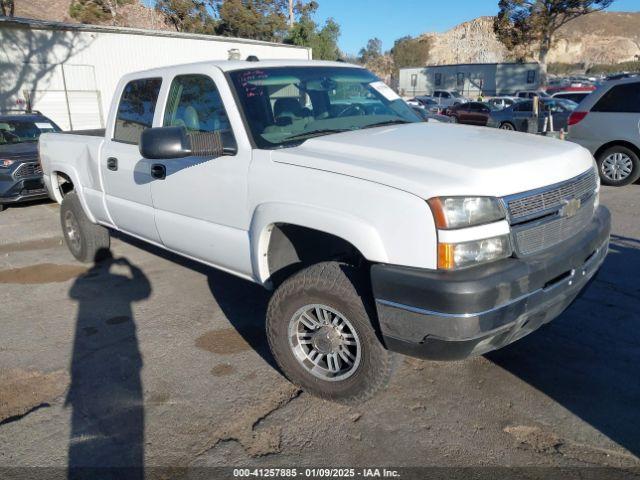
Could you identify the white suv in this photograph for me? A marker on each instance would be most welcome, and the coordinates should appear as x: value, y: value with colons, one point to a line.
x: 607, y: 123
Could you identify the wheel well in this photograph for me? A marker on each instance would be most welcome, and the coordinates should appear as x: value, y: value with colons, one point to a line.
x: 64, y: 184
x: 292, y: 248
x: 623, y: 143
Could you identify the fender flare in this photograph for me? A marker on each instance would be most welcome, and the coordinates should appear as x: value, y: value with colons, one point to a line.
x: 70, y: 172
x: 352, y: 229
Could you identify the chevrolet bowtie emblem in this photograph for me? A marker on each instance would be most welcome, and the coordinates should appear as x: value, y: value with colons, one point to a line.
x: 570, y: 207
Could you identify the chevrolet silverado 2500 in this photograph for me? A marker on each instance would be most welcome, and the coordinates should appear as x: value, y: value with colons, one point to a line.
x: 378, y: 233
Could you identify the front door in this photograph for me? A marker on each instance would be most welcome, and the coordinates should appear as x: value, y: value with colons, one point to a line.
x: 201, y: 204
x: 126, y: 175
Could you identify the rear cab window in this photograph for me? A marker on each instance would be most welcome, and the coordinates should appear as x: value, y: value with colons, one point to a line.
x: 136, y: 109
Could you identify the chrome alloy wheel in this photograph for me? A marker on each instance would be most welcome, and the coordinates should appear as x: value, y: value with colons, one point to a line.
x: 617, y: 166
x: 324, y: 342
x: 72, y: 229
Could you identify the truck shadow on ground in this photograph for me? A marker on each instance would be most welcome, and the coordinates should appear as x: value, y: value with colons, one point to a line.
x: 243, y: 303
x: 588, y: 359
x: 105, y: 396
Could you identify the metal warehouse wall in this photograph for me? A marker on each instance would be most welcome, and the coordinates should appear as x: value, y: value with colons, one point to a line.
x: 71, y: 73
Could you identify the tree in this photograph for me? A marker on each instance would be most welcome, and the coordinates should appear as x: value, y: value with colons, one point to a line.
x: 195, y: 16
x: 7, y: 8
x: 410, y: 52
x: 525, y: 24
x: 373, y: 51
x: 323, y: 41
x: 96, y: 11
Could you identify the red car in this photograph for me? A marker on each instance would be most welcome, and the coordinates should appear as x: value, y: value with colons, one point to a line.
x: 472, y: 113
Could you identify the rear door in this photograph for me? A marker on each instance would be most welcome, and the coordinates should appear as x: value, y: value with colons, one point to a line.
x: 616, y: 116
x: 522, y: 112
x: 126, y: 175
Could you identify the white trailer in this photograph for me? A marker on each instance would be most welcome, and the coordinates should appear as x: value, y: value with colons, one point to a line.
x: 69, y: 72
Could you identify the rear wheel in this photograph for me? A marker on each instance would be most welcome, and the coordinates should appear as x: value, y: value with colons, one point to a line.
x: 618, y: 166
x: 85, y: 240
x: 320, y: 332
x: 507, y: 126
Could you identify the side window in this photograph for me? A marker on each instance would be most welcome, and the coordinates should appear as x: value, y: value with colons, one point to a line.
x: 136, y: 109
x: 194, y: 103
x: 438, y: 79
x: 445, y: 95
x: 620, y: 99
x: 524, y: 107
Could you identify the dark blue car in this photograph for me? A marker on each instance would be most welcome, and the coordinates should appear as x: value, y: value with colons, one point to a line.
x: 20, y: 171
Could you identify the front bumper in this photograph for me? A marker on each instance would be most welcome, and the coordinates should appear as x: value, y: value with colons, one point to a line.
x: 14, y: 190
x: 454, y: 315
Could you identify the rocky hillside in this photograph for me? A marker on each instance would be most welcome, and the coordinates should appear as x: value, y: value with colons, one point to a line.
x: 604, y: 37
x: 133, y: 15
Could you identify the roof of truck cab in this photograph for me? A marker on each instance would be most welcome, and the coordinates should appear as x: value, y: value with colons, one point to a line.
x: 232, y: 65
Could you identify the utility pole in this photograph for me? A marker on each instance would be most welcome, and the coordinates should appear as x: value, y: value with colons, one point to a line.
x: 291, y: 19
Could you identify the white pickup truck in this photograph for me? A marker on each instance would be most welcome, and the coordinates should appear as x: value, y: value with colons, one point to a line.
x: 378, y: 232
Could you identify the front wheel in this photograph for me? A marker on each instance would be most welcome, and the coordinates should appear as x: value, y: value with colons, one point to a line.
x: 618, y: 166
x: 86, y: 241
x: 321, y: 334
x: 507, y: 126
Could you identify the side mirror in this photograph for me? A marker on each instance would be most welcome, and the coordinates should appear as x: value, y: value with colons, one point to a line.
x: 164, y: 143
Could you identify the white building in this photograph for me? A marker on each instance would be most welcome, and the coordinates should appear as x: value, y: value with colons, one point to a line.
x: 69, y: 71
x: 470, y: 79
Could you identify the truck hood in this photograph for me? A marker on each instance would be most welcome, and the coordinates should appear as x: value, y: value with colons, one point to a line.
x: 431, y: 159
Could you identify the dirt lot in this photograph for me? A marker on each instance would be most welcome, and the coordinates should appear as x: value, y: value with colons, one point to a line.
x: 153, y: 360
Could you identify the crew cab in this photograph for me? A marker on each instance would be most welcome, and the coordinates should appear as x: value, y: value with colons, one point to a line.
x: 377, y: 232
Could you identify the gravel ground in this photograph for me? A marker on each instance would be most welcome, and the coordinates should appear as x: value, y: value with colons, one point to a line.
x: 153, y: 360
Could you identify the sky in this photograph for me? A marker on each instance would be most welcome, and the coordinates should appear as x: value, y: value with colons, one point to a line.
x: 389, y: 20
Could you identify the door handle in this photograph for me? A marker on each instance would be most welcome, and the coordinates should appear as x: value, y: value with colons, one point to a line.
x: 158, y: 171
x: 112, y: 164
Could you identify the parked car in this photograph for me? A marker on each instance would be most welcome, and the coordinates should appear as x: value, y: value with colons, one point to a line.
x: 524, y: 94
x: 375, y: 234
x: 575, y: 96
x: 518, y: 116
x: 427, y: 116
x: 428, y: 103
x: 502, y: 102
x: 607, y: 123
x: 448, y: 98
x: 472, y: 113
x: 20, y: 172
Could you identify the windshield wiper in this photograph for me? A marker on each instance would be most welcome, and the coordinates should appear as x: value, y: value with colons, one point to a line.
x: 387, y: 122
x: 316, y: 133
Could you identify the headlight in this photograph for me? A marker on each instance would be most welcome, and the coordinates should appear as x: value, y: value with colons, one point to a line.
x: 6, y: 163
x: 453, y: 256
x: 461, y: 212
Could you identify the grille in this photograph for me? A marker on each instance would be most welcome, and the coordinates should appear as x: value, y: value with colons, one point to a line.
x: 534, y: 238
x: 531, y: 204
x: 28, y: 170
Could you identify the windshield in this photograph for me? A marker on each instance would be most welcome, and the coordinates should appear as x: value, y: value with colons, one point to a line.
x: 21, y: 131
x: 287, y: 105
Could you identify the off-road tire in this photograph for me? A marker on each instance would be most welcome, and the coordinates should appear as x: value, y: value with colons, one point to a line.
x: 635, y: 162
x: 346, y: 289
x: 90, y: 240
